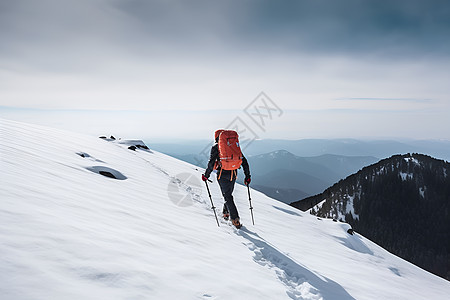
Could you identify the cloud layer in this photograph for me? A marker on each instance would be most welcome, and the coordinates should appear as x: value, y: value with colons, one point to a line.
x: 213, y: 55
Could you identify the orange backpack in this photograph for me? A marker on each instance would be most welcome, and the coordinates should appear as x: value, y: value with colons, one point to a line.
x: 230, y: 154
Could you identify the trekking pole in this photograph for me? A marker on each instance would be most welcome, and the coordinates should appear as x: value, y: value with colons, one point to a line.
x: 250, y: 201
x: 212, y: 204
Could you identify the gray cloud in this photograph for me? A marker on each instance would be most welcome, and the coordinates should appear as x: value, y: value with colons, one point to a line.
x: 391, y: 28
x: 92, y: 54
x: 388, y: 28
x: 52, y: 33
x: 350, y: 26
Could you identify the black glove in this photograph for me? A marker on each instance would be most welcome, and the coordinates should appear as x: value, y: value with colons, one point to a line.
x: 247, y: 180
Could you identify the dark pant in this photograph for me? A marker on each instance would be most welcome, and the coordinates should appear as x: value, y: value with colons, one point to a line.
x: 227, y: 187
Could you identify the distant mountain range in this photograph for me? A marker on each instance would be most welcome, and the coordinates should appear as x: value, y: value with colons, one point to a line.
x: 280, y: 173
x: 312, y: 147
x: 305, y: 167
x: 352, y: 147
x: 402, y: 203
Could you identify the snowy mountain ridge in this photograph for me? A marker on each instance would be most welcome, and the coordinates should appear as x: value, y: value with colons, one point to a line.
x: 395, y: 203
x: 86, y: 218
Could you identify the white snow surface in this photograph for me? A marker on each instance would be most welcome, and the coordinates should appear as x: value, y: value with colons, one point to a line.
x: 413, y: 160
x: 317, y: 206
x: 67, y: 232
x: 350, y: 208
x: 406, y: 176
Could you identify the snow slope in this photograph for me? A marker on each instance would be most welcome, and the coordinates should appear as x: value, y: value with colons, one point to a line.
x: 67, y: 232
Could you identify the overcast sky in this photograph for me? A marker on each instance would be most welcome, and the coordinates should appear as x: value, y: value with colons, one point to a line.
x: 141, y: 68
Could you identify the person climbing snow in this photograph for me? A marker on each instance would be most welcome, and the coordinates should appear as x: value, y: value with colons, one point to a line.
x: 226, y: 157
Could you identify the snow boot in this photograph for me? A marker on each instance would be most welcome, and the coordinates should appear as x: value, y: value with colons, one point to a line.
x: 236, y: 223
x: 226, y: 214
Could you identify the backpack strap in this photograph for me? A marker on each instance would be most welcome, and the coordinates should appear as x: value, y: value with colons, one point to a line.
x: 233, y: 173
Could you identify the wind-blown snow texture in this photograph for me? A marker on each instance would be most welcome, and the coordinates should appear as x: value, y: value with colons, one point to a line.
x: 67, y: 232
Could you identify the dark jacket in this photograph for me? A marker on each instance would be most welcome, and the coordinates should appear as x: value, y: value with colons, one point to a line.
x: 225, y: 173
